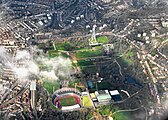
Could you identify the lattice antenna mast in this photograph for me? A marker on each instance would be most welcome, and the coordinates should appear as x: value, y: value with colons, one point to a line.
x: 94, y: 32
x: 92, y: 40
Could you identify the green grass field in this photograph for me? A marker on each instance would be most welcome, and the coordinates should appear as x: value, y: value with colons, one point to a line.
x: 50, y: 85
x: 86, y: 101
x: 68, y: 101
x: 121, y: 116
x: 79, y: 85
x: 125, y: 61
x: 89, y: 53
x: 64, y: 46
x: 53, y: 53
x: 102, y: 39
x: 127, y: 57
x: 89, y: 69
x: 105, y: 110
x: 85, y: 63
x: 130, y: 54
x: 43, y: 45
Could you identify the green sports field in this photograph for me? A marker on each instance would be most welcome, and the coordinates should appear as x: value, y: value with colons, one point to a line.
x: 67, y: 101
x: 89, y: 53
x: 86, y: 101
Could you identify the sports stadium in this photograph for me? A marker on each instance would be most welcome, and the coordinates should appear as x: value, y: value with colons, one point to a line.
x: 67, y: 99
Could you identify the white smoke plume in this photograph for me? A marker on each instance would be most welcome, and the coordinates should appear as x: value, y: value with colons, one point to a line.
x: 56, y: 67
x: 50, y: 75
x: 24, y: 64
x: 21, y: 64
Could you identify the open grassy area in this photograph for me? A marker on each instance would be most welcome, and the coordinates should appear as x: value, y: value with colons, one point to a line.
x: 68, y: 101
x: 102, y: 39
x: 127, y: 57
x: 130, y: 54
x: 41, y: 46
x: 105, y: 110
x: 53, y: 53
x: 139, y: 114
x: 79, y: 85
x: 82, y: 49
x: 44, y: 46
x: 125, y: 60
x: 64, y: 46
x: 48, y: 85
x: 86, y: 101
x: 85, y: 62
x: 120, y: 116
x: 89, y: 53
x: 89, y: 69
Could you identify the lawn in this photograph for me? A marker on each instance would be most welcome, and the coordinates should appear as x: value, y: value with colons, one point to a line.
x: 105, y: 110
x: 44, y: 46
x: 89, y: 69
x: 125, y: 61
x: 130, y: 54
x: 81, y: 49
x: 138, y: 114
x: 85, y: 62
x: 121, y: 116
x: 86, y: 101
x: 41, y: 46
x: 67, y: 101
x: 102, y: 39
x: 79, y: 85
x: 89, y: 53
x: 49, y: 86
x: 53, y: 53
x: 64, y: 46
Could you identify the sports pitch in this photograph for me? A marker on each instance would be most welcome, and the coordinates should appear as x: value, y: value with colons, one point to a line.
x: 68, y: 100
x: 86, y: 102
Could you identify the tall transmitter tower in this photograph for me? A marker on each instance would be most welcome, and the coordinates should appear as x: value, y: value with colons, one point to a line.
x: 92, y: 40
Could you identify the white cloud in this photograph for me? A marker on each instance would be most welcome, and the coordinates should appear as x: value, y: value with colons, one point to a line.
x: 56, y: 67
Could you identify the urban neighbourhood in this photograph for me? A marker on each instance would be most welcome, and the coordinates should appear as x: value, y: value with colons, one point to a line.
x: 83, y: 59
